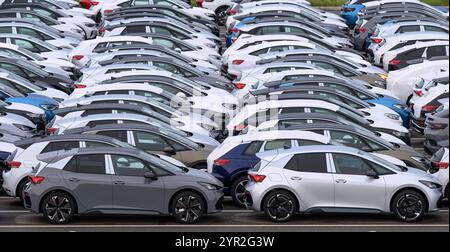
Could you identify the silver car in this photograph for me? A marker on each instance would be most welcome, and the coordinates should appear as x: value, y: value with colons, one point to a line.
x: 338, y: 179
x: 125, y: 181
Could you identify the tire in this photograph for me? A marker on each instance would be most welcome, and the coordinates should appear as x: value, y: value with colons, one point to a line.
x: 58, y: 208
x: 238, y: 191
x: 408, y: 206
x: 279, y: 206
x: 187, y: 207
x: 221, y: 14
x: 446, y: 192
x: 20, y: 189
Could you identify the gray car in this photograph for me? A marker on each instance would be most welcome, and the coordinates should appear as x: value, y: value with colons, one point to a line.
x: 436, y: 131
x: 125, y: 181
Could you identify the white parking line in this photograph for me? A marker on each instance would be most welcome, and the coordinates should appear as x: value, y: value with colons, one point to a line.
x: 223, y: 226
x: 14, y: 211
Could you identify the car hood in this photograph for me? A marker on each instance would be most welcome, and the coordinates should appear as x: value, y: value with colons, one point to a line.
x: 202, y: 176
x: 420, y: 174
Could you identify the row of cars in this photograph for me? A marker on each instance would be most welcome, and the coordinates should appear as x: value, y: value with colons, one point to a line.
x: 152, y: 102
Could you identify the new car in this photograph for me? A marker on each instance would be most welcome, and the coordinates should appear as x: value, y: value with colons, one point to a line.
x: 231, y: 161
x: 436, y: 131
x: 439, y: 170
x: 338, y: 179
x: 113, y: 173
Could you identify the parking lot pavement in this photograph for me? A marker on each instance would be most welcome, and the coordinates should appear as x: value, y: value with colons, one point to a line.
x: 13, y: 218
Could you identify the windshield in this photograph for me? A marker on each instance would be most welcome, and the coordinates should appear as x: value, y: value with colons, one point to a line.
x: 29, y: 54
x: 18, y: 79
x: 381, y: 161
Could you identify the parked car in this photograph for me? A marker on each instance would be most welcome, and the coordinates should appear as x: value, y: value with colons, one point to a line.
x: 436, y: 131
x: 336, y: 178
x: 184, y: 193
x: 439, y: 168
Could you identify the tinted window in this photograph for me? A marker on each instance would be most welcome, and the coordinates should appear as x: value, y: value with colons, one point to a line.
x: 380, y: 169
x: 436, y: 51
x: 91, y: 164
x: 277, y: 144
x: 97, y: 145
x: 253, y: 148
x: 310, y: 162
x: 408, y: 28
x: 308, y: 142
x: 415, y: 54
x: 349, y: 164
x: 134, y: 29
x: 96, y: 112
x: 72, y: 165
x: 128, y: 166
x: 65, y: 145
x: 435, y: 29
x: 100, y: 122
x: 6, y: 29
x: 117, y: 134
x: 150, y: 142
x: 349, y: 139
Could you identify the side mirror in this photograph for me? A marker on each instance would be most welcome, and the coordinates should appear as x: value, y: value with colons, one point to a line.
x: 177, y: 50
x: 372, y: 174
x: 150, y: 175
x: 169, y: 151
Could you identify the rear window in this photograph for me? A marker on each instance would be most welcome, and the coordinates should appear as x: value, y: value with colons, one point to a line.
x: 88, y: 164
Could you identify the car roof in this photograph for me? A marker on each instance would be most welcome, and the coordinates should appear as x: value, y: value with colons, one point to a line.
x: 276, y: 154
x: 139, y: 58
x: 281, y: 134
x: 66, y: 137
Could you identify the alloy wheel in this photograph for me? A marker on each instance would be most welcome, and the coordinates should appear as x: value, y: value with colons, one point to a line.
x: 239, y: 192
x: 188, y: 209
x: 280, y: 207
x: 58, y: 209
x: 409, y: 207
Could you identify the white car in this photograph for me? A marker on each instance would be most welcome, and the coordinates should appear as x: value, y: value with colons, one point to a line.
x: 17, y: 121
x: 300, y: 4
x: 156, y: 25
x: 401, y: 82
x: 338, y: 179
x: 85, y: 52
x: 439, y: 170
x: 219, y: 7
x: 109, y: 6
x: 14, y: 81
x: 247, y: 57
x: 15, y: 51
x: 396, y: 41
x: 427, y: 49
x: 44, y: 49
x: 251, y: 115
x: 194, y: 123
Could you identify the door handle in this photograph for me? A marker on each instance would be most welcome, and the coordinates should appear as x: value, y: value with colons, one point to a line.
x: 119, y: 183
x: 341, y: 181
x: 296, y: 178
x: 74, y: 180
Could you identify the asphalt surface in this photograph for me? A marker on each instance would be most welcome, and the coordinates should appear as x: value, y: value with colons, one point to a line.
x: 13, y: 218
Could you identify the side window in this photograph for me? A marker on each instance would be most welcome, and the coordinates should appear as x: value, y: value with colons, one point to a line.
x: 141, y: 2
x: 128, y: 166
x: 292, y: 110
x: 259, y: 52
x: 26, y: 44
x: 96, y: 112
x: 279, y: 49
x: 321, y: 110
x: 90, y: 144
x: 269, y: 30
x: 277, y: 144
x: 64, y: 145
x: 13, y: 68
x: 435, y: 29
x: 100, y: 46
x: 100, y: 122
x: 253, y: 148
x: 117, y: 134
x: 71, y: 166
x: 33, y: 33
x: 91, y: 164
x: 415, y: 54
x: 380, y: 169
x: 350, y: 140
x: 277, y: 69
x: 154, y: 96
x: 165, y: 42
x: 292, y: 123
x: 408, y: 28
x: 309, y: 162
x: 308, y: 142
x: 149, y: 141
x: 6, y: 29
x: 349, y: 164
x: 436, y: 51
x: 338, y: 87
x: 177, y: 146
x: 161, y: 30
x: 134, y: 29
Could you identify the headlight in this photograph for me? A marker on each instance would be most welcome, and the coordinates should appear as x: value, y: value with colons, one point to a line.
x: 215, y: 57
x: 76, y: 30
x: 69, y: 69
x: 419, y: 159
x: 34, y: 116
x: 58, y: 99
x: 430, y: 184
x: 383, y: 76
x: 402, y: 107
x: 67, y: 85
x: 49, y: 107
x: 210, y: 45
x: 229, y: 106
x: 209, y: 186
x: 207, y: 127
x: 380, y: 84
x: 392, y: 116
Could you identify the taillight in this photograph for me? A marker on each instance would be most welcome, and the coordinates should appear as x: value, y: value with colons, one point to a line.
x: 79, y: 86
x: 376, y: 40
x: 13, y: 164
x: 101, y: 30
x: 237, y: 62
x: 360, y: 29
x: 440, y: 165
x: 85, y: 4
x: 94, y: 3
x: 256, y: 177
x: 200, y: 3
x: 234, y: 39
x: 52, y: 131
x: 418, y: 92
x: 36, y: 179
x: 239, y: 85
x: 77, y: 57
x: 394, y: 62
x: 429, y: 108
x: 437, y: 126
x: 239, y: 127
x: 231, y: 12
x: 221, y: 162
x: 234, y: 30
x: 107, y: 11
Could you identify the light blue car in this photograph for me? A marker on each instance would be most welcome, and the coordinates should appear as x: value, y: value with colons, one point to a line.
x: 349, y: 11
x: 48, y: 105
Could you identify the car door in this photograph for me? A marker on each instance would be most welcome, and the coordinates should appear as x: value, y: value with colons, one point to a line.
x: 309, y: 175
x: 353, y: 188
x: 131, y: 190
x: 87, y: 178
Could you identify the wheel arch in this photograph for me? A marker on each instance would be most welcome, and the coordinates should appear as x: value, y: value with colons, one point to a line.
x: 187, y: 189
x: 285, y: 189
x: 409, y: 188
x: 59, y: 190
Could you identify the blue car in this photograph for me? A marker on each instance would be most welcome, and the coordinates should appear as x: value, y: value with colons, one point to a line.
x: 234, y: 32
x: 350, y: 10
x: 402, y: 110
x: 48, y: 105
